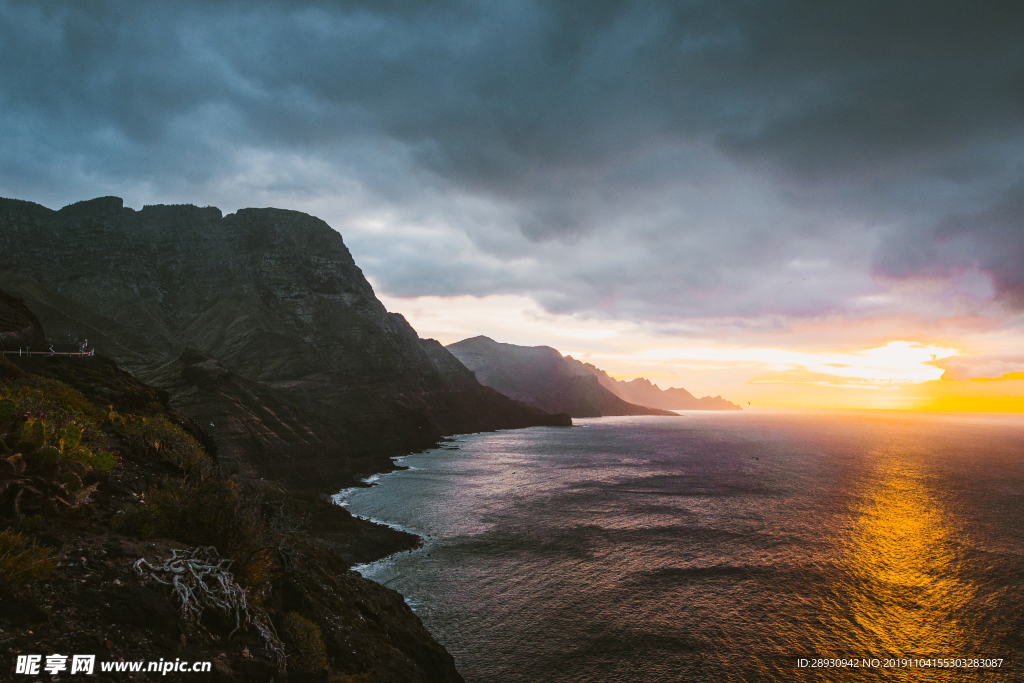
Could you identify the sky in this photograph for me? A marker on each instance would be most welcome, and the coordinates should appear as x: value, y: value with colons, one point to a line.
x: 805, y: 204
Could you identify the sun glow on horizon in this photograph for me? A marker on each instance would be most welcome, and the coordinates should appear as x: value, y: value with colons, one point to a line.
x: 809, y: 366
x: 897, y: 361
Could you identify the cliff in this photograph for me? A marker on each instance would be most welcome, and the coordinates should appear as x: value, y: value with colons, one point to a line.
x: 260, y: 326
x: 543, y: 378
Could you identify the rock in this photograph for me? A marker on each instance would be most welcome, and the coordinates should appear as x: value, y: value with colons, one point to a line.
x: 257, y: 671
x: 113, y: 548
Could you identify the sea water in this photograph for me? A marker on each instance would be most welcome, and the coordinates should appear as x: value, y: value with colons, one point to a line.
x: 718, y: 547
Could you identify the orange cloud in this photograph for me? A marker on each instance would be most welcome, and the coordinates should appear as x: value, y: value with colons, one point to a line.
x: 1007, y: 376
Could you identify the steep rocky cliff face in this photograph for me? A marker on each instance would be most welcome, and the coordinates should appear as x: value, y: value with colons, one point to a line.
x: 542, y: 377
x: 259, y: 324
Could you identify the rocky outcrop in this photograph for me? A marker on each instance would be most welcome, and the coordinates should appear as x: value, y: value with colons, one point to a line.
x: 543, y: 378
x: 260, y: 326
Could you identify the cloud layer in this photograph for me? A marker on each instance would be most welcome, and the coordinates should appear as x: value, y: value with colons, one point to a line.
x: 655, y: 161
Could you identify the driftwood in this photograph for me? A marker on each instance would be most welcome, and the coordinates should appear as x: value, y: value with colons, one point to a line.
x: 200, y: 579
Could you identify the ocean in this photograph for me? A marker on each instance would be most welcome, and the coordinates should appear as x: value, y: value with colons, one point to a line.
x: 752, y: 546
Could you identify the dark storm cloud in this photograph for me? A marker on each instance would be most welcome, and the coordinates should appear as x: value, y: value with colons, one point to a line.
x: 991, y: 241
x: 853, y: 87
x: 570, y: 114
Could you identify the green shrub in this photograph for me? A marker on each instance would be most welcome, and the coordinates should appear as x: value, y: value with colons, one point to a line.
x: 57, y: 416
x: 159, y: 437
x: 56, y: 445
x: 133, y: 521
x: 307, y: 644
x: 43, y: 461
x: 9, y: 370
x: 199, y: 511
x: 20, y: 563
x: 35, y: 394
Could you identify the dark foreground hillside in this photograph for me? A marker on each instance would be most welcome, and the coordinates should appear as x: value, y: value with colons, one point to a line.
x: 97, y: 472
x: 258, y: 324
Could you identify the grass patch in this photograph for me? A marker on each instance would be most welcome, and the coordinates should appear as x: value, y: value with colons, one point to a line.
x: 161, y: 438
x: 200, y: 508
x: 57, y: 400
x: 308, y: 652
x: 21, y: 562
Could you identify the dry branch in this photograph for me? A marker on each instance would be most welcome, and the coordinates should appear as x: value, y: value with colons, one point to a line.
x: 201, y: 579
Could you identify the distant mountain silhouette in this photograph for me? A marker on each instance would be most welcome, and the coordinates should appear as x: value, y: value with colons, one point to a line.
x: 642, y: 391
x: 541, y: 377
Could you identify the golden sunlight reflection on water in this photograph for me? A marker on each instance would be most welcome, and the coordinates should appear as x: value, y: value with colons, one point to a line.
x: 900, y: 592
x: 718, y: 548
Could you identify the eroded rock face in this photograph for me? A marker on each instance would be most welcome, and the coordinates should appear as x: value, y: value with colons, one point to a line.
x: 259, y: 324
x: 19, y: 328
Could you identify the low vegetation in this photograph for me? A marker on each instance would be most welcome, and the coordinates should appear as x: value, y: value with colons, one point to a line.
x: 21, y: 561
x: 56, y: 448
x: 308, y: 651
x: 51, y: 453
x: 265, y: 568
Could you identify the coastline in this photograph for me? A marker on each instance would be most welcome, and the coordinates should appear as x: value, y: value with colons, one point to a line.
x: 386, y: 538
x: 290, y: 550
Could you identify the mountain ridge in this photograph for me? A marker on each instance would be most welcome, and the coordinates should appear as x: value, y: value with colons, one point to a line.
x: 260, y: 325
x: 527, y: 373
x: 541, y: 377
x: 644, y: 392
